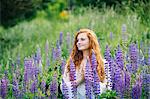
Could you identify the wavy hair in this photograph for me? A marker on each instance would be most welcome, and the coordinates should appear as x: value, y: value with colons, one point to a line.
x: 77, y: 55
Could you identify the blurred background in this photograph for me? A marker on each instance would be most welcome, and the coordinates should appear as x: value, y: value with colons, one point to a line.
x: 26, y: 23
x: 36, y: 38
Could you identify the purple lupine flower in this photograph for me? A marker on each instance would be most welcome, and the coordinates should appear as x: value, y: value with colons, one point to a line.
x: 3, y: 86
x: 47, y: 61
x: 60, y: 38
x: 65, y: 90
x: 68, y: 40
x: 34, y: 73
x: 146, y: 83
x: 111, y: 35
x: 21, y: 93
x: 90, y: 73
x: 58, y: 51
x: 17, y: 73
x: 63, y: 62
x: 124, y: 33
x: 137, y: 89
x: 129, y: 67
x: 112, y: 70
x: 119, y: 58
x: 96, y: 85
x: 107, y: 54
x: 127, y: 80
x: 43, y: 86
x: 133, y: 57
x: 47, y: 53
x: 88, y: 83
x: 124, y: 28
x: 54, y: 87
x: 53, y: 54
x: 33, y: 87
x: 15, y: 88
x: 148, y: 62
x: 12, y: 67
x: 73, y: 77
x: 108, y: 74
x: 34, y: 57
x: 110, y: 62
x: 140, y: 58
x: 39, y: 59
x: 127, y: 57
x: 36, y: 70
x: 93, y: 60
x: 72, y: 71
x: 6, y: 73
x: 26, y: 80
x: 28, y: 64
x: 141, y: 55
x: 119, y: 80
x: 74, y: 89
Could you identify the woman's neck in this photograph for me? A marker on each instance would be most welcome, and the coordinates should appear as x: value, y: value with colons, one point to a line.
x: 85, y: 54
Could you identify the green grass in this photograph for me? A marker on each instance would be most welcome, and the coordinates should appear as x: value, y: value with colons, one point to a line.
x: 25, y: 36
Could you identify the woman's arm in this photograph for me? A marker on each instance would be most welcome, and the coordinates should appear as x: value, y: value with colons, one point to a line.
x: 80, y: 77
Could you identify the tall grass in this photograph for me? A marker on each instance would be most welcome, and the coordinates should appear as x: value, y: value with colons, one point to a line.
x: 25, y: 36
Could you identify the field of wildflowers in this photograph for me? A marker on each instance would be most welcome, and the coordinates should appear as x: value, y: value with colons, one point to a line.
x: 34, y: 67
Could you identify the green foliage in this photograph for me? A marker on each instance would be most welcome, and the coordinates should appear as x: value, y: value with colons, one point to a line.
x: 14, y: 11
x: 109, y: 94
x: 55, y: 8
x: 28, y: 34
x: 121, y: 6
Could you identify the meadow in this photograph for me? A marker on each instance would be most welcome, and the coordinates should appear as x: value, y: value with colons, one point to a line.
x: 35, y: 51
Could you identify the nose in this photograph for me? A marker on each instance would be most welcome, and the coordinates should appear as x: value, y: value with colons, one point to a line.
x: 78, y: 43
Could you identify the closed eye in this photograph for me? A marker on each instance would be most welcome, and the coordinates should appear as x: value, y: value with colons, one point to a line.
x: 82, y: 39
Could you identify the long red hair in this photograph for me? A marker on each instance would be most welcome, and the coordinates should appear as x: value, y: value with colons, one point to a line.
x: 77, y: 55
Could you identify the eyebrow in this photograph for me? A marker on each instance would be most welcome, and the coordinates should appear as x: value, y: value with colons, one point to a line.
x: 81, y: 38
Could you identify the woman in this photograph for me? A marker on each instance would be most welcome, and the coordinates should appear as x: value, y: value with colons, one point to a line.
x: 85, y: 43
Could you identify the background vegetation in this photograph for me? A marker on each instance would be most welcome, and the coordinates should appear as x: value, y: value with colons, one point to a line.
x: 27, y: 24
x: 37, y: 20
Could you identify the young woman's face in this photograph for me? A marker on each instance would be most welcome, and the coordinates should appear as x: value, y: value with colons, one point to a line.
x: 82, y: 41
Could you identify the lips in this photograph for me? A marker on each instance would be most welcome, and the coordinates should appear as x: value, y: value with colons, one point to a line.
x: 80, y: 46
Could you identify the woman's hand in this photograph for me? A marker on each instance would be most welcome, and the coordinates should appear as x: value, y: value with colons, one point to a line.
x: 81, y: 78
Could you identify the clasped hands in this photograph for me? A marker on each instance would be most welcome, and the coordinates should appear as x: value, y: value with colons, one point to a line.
x: 81, y: 72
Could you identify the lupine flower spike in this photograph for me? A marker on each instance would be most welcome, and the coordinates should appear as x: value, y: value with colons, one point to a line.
x: 88, y: 83
x: 73, y: 78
